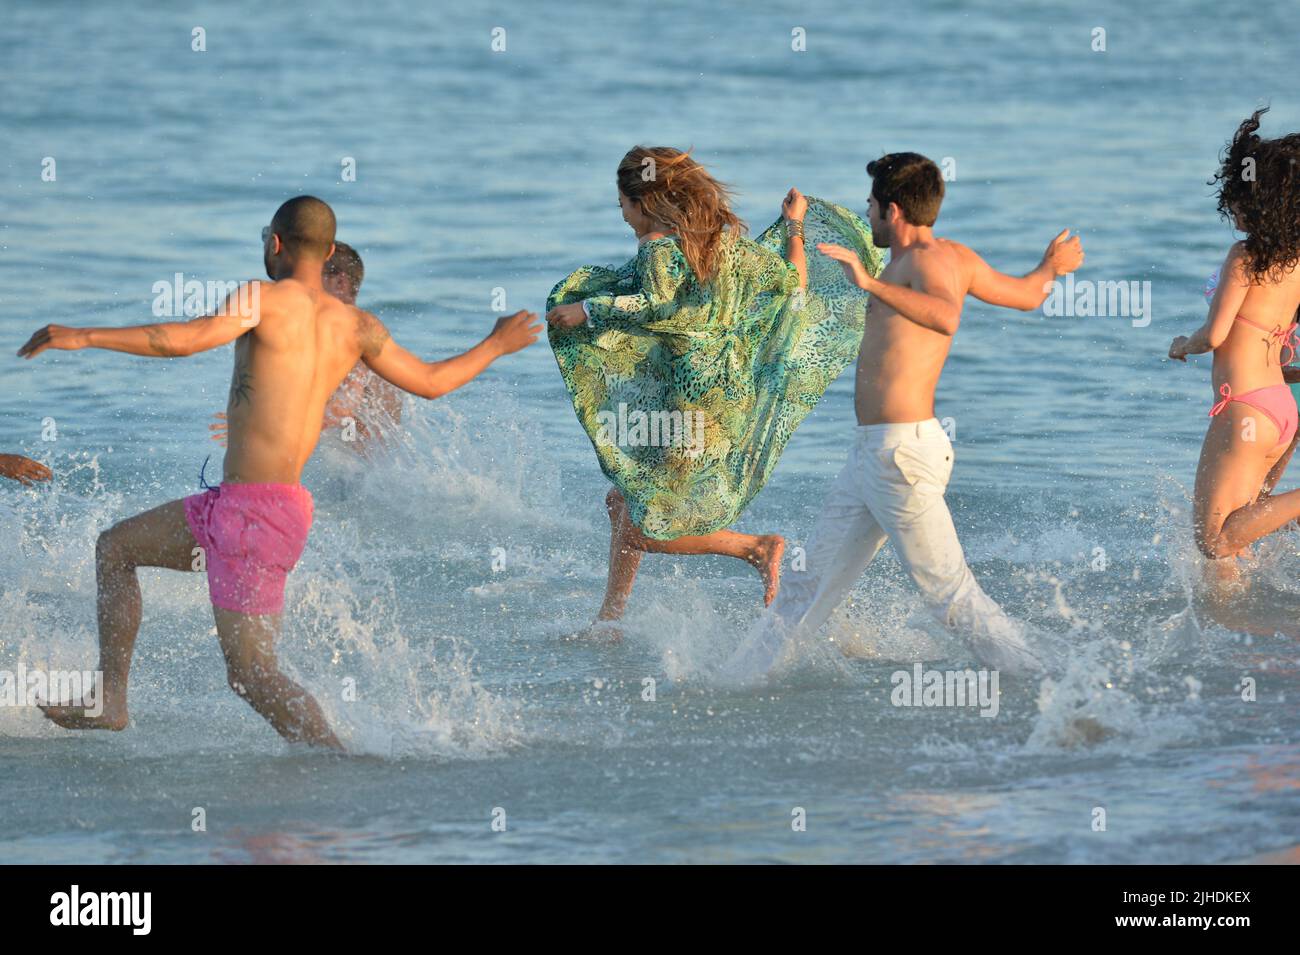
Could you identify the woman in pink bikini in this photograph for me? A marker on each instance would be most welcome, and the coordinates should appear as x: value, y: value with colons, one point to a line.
x: 1251, y: 329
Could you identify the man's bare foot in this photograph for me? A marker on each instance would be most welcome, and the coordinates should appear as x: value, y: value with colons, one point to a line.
x: 767, y: 559
x: 1085, y: 731
x: 78, y: 717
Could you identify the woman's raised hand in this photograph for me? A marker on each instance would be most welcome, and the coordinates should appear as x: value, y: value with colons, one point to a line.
x: 794, y: 207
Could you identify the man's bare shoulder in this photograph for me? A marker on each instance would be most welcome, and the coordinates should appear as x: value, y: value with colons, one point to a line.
x: 371, y: 333
x: 289, y: 288
x: 936, y: 249
x: 960, y: 257
x: 958, y: 250
x: 926, y: 256
x: 952, y: 245
x: 279, y: 297
x: 280, y: 305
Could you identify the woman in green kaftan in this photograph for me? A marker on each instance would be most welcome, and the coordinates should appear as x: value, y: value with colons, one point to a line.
x: 691, y: 365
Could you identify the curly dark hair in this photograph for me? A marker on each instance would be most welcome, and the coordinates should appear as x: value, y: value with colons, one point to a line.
x: 1259, y: 192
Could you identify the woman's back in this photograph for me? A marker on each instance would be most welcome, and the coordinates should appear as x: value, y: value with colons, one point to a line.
x: 744, y: 269
x: 1259, y: 341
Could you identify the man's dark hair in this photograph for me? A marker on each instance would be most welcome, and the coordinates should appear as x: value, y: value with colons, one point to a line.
x: 346, y: 262
x: 305, y: 225
x: 909, y: 180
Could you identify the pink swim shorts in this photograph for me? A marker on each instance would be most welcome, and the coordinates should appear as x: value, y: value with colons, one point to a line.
x: 251, y: 535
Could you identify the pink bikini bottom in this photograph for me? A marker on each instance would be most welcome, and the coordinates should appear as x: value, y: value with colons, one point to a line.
x: 1274, y: 402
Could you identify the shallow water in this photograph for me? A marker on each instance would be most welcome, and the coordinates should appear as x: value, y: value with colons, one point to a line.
x: 479, y: 171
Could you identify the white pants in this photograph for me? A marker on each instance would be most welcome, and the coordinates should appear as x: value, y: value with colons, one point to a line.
x: 891, y: 489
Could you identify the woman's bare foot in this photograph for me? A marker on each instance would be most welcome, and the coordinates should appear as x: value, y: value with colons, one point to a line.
x: 604, y: 630
x: 611, y: 610
x: 1225, y: 578
x: 766, y: 558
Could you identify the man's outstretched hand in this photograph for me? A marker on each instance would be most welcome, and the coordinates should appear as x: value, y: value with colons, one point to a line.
x: 516, y: 332
x: 53, y: 336
x: 23, y: 470
x: 852, y: 265
x: 1064, y: 253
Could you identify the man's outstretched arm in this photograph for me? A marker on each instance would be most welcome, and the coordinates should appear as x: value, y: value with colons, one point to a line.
x: 432, y: 379
x: 161, y: 340
x: 23, y: 469
x: 1025, y: 292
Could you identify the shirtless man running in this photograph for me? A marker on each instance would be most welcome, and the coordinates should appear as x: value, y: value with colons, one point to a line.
x: 289, y: 357
x: 898, y: 469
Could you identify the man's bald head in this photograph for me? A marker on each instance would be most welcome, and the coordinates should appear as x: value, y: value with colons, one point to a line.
x: 305, y: 226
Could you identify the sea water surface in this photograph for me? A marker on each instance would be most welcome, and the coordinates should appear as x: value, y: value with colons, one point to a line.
x: 445, y: 579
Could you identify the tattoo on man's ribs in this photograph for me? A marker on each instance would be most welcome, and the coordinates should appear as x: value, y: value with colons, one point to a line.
x: 241, y: 384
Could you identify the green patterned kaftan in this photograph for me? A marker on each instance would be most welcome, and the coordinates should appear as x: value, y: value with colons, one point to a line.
x: 690, y: 391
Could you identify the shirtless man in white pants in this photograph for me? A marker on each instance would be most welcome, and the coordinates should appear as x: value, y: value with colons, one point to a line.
x: 898, y: 469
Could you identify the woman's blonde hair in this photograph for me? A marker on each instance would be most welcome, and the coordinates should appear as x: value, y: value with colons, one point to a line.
x: 674, y: 189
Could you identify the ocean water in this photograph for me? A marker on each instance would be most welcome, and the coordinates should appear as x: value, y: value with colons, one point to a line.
x: 479, y: 170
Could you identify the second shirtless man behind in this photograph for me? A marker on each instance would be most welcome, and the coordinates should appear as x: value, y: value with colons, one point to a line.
x: 290, y: 356
x: 892, y: 487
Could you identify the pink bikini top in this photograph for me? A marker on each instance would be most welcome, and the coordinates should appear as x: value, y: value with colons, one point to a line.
x: 1285, y: 338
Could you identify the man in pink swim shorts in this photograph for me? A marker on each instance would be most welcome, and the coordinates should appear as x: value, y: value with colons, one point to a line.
x: 294, y: 343
x: 251, y: 535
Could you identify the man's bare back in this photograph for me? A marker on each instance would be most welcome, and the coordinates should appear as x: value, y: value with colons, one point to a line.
x: 286, y: 369
x: 363, y: 405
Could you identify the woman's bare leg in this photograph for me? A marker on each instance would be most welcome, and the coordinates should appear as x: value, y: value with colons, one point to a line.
x: 1275, y: 472
x: 1232, y: 508
x: 763, y: 552
x: 1248, y: 524
x: 624, y: 559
